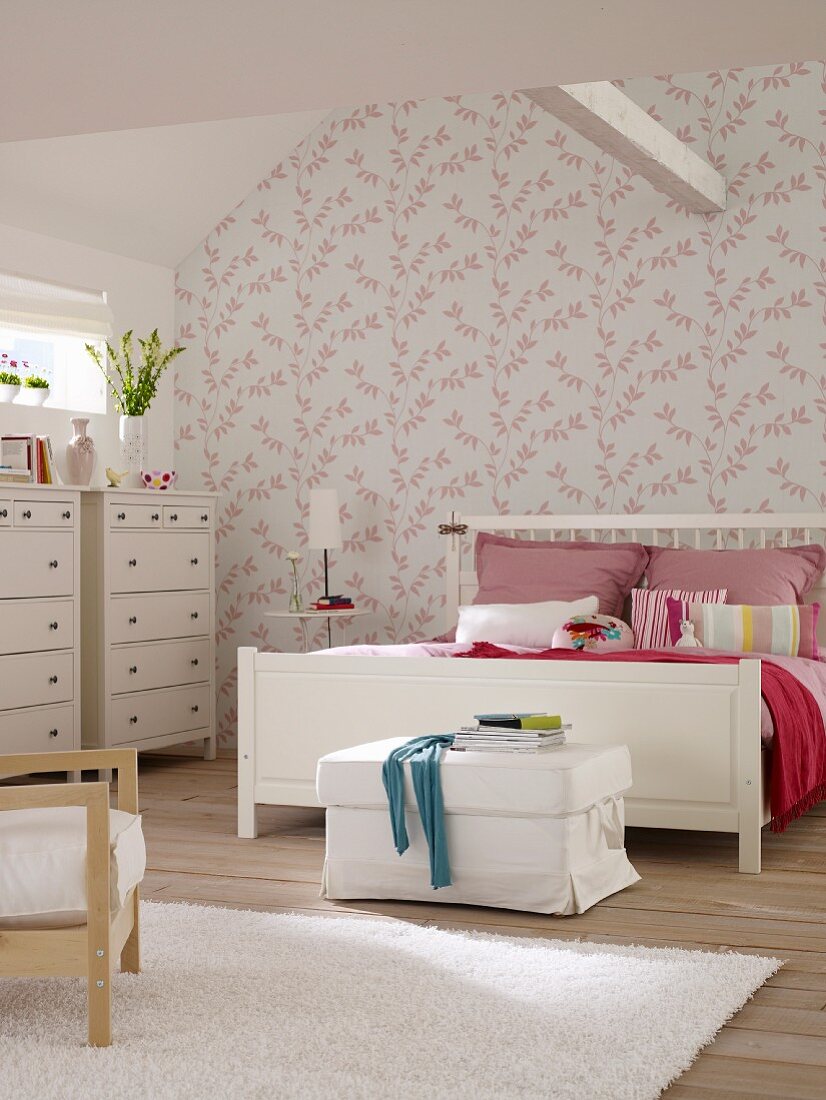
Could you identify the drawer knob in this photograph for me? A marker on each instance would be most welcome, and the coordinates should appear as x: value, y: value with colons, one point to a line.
x: 67, y: 515
x: 52, y: 733
x: 193, y: 561
x: 52, y: 679
x: 53, y: 564
x: 52, y: 626
x: 174, y: 517
x: 133, y: 669
x: 195, y: 709
x: 133, y: 720
x: 194, y: 661
x: 133, y: 619
x: 121, y: 515
x: 27, y: 514
x: 205, y: 517
x: 193, y: 615
x: 155, y: 516
x: 4, y: 513
x: 133, y: 561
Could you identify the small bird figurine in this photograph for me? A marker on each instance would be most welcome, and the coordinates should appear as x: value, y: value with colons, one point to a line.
x: 114, y: 478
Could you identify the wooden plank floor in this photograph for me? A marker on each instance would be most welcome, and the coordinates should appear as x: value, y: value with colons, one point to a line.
x: 690, y: 896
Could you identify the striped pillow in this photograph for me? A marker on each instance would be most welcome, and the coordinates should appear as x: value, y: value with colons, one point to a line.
x: 786, y: 630
x: 649, y: 612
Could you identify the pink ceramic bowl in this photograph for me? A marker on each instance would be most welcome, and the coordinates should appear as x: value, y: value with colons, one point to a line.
x: 158, y: 479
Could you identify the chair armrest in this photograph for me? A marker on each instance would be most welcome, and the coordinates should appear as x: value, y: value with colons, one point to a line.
x: 124, y: 761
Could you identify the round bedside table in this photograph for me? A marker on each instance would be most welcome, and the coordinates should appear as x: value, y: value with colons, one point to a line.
x: 305, y: 616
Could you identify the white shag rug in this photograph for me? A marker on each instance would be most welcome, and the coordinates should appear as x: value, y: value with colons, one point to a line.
x: 242, y: 1004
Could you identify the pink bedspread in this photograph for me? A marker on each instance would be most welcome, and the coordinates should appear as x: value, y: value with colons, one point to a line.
x: 812, y: 674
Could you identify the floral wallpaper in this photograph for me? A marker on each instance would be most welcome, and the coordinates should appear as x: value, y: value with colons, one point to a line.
x: 458, y: 303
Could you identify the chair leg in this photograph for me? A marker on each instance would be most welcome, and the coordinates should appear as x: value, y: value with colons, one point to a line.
x: 130, y: 956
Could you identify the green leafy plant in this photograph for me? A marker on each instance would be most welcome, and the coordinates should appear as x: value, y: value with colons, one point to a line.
x: 9, y: 379
x: 133, y: 389
x: 35, y: 382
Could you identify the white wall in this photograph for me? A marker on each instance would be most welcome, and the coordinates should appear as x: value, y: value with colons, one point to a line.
x: 142, y: 298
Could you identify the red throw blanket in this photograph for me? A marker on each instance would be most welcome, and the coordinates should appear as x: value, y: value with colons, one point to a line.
x: 798, y: 766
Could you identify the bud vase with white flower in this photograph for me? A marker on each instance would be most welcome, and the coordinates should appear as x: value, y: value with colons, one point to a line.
x: 293, y: 557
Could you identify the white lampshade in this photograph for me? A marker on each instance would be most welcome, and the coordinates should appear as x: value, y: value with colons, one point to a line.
x: 324, y: 528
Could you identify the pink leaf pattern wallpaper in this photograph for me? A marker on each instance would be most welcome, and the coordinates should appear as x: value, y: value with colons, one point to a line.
x: 459, y: 303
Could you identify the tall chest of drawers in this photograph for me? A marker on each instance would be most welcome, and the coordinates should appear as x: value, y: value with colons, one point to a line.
x: 39, y: 619
x: 148, y: 654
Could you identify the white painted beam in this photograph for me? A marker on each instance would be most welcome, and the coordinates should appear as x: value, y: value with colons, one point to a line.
x: 606, y: 116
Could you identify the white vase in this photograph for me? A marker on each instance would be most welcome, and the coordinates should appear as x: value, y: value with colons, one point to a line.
x: 8, y: 393
x: 132, y: 431
x: 80, y: 453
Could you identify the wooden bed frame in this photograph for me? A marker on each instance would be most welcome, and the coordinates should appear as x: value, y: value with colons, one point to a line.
x: 693, y: 730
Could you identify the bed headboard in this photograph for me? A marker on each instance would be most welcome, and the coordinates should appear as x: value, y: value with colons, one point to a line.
x: 713, y: 531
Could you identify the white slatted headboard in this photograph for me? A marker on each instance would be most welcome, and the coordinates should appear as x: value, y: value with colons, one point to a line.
x: 713, y: 531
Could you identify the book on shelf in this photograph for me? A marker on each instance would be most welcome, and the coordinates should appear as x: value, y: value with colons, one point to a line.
x: 28, y: 459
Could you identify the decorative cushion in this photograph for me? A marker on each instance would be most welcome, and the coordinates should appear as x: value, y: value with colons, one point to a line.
x: 787, y: 630
x: 649, y: 612
x: 596, y: 633
x: 751, y: 576
x: 527, y: 570
x: 43, y: 865
x: 522, y: 624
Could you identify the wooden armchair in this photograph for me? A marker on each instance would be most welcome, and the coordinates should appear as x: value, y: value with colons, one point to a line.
x: 88, y: 949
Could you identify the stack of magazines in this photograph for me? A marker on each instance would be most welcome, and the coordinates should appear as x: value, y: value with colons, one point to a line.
x: 528, y: 733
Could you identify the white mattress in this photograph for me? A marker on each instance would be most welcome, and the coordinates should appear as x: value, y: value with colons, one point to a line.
x: 565, y: 780
x: 43, y: 865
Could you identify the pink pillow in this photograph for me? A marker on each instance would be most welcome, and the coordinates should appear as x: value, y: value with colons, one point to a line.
x: 751, y: 576
x: 786, y: 630
x: 649, y: 612
x: 594, y: 633
x: 527, y: 571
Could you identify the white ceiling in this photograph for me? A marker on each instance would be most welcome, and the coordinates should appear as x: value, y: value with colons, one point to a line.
x: 151, y: 194
x: 84, y: 66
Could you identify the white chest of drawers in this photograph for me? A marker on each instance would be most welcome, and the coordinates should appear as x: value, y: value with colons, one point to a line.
x: 39, y: 619
x: 148, y: 654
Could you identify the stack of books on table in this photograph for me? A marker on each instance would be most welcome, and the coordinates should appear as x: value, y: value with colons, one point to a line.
x: 28, y: 459
x: 333, y: 603
x: 528, y: 733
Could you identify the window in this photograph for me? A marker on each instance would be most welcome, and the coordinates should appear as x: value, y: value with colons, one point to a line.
x: 46, y: 326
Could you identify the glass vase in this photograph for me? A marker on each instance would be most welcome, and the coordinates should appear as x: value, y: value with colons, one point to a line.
x: 295, y: 596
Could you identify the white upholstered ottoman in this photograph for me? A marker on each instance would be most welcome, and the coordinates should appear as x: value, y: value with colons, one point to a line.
x: 543, y: 833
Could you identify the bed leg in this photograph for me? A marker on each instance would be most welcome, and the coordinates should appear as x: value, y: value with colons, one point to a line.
x: 247, y: 810
x: 749, y: 768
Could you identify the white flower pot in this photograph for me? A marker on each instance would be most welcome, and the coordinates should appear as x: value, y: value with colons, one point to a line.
x: 133, y: 433
x: 29, y: 396
x: 8, y: 393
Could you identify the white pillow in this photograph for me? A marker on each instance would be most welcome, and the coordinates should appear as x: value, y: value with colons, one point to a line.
x: 524, y: 624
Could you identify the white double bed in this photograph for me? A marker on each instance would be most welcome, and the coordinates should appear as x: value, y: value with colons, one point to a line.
x: 694, y: 731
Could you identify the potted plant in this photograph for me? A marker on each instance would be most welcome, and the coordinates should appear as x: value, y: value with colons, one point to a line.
x: 9, y: 383
x: 35, y: 390
x: 133, y: 390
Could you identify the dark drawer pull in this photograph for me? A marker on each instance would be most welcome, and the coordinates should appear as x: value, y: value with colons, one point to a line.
x: 194, y: 709
x: 194, y: 615
x: 52, y: 626
x: 133, y: 561
x: 53, y: 564
x: 194, y: 661
x: 133, y: 720
x: 4, y: 513
x: 52, y: 679
x: 67, y: 515
x: 174, y: 517
x: 121, y: 515
x: 133, y: 669
x: 133, y: 619
x: 193, y: 561
x: 27, y: 515
x: 205, y: 518
x: 52, y: 733
x: 155, y: 516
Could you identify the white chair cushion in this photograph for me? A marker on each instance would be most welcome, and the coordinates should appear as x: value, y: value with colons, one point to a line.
x: 43, y: 865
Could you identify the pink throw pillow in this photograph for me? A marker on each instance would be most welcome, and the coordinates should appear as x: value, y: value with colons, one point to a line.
x: 751, y: 576
x: 529, y: 571
x: 594, y: 634
x: 786, y: 630
x: 649, y: 612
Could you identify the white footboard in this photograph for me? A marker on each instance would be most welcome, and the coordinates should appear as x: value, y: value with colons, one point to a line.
x: 693, y: 730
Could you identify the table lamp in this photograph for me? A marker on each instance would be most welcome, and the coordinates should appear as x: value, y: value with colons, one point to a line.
x: 324, y: 527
